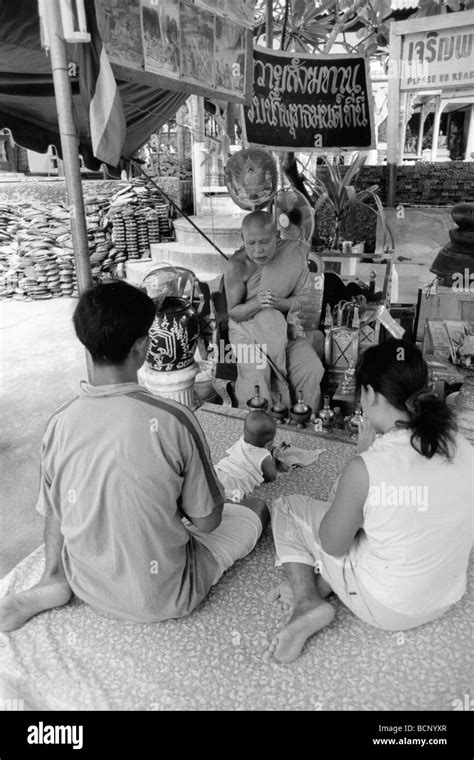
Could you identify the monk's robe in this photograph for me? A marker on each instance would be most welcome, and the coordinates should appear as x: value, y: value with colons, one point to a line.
x: 288, y: 276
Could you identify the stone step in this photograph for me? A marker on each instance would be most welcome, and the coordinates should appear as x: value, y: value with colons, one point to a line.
x: 223, y: 230
x: 198, y: 259
x: 218, y: 204
x: 215, y: 199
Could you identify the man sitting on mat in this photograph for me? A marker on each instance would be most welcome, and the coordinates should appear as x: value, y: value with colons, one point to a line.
x: 267, y: 283
x: 136, y: 524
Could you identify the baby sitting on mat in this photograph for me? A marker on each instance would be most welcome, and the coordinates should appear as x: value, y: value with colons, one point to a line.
x: 249, y: 461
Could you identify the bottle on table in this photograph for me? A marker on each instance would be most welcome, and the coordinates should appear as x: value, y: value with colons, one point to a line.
x: 338, y: 420
x: 257, y: 401
x: 326, y: 414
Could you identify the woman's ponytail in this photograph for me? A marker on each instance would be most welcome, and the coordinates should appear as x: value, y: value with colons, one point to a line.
x: 432, y: 423
x: 398, y: 371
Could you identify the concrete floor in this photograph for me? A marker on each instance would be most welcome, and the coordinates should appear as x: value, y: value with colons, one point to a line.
x: 41, y: 364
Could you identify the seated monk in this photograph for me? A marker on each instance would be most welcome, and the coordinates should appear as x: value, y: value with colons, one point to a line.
x: 267, y: 284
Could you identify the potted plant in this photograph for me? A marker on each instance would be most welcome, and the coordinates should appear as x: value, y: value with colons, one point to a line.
x: 340, y: 194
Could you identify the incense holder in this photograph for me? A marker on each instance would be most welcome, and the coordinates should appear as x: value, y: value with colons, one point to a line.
x: 173, y: 336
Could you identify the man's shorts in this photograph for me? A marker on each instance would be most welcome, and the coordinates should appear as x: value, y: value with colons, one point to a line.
x: 233, y: 539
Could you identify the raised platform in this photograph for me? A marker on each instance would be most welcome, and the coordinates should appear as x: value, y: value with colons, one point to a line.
x: 192, y: 251
x: 197, y: 258
x: 216, y: 200
x: 222, y: 229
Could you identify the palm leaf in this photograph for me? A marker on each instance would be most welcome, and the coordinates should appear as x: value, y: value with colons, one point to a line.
x: 379, y: 211
x: 323, y: 198
x: 369, y: 192
x: 354, y: 168
x: 299, y: 44
x: 332, y: 188
x: 351, y: 195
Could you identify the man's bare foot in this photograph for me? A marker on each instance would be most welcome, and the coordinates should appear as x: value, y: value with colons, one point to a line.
x: 16, y: 609
x: 282, y: 596
x: 305, y: 621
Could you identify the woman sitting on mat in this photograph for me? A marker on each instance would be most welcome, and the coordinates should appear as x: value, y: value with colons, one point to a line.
x: 394, y: 543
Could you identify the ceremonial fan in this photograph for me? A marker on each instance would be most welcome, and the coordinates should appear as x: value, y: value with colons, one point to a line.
x: 251, y: 177
x: 294, y: 215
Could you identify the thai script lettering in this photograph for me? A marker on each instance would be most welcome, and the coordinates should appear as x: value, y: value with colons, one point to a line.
x: 347, y: 112
x: 317, y: 99
x: 440, y: 48
x: 295, y: 77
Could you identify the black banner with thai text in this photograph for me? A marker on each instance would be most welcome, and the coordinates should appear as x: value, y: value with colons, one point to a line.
x: 310, y: 102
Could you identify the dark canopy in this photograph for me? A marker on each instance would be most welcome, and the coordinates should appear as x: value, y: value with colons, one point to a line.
x: 27, y: 102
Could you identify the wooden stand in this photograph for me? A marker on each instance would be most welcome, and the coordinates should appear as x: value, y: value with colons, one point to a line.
x: 463, y: 403
x: 446, y: 303
x: 177, y: 385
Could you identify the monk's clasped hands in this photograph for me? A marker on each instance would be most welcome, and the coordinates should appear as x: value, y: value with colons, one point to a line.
x: 266, y: 299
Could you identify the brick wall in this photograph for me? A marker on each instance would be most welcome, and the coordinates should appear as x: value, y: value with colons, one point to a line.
x: 422, y: 184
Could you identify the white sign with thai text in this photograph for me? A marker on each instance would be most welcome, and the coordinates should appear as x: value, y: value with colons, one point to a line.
x: 441, y: 58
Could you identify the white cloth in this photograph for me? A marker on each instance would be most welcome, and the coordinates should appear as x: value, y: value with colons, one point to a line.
x: 295, y: 457
x: 241, y: 470
x: 413, y: 551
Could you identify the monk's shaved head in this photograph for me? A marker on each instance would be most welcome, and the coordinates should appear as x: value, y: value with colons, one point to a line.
x: 259, y: 428
x: 259, y: 219
x: 259, y: 234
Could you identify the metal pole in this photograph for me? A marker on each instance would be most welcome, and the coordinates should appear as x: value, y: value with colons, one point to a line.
x: 285, y: 24
x: 69, y: 142
x: 402, y: 127
x: 269, y: 24
x: 269, y: 44
x: 393, y: 108
x: 436, y: 125
x: 180, y: 117
x: 69, y: 146
x: 196, y: 103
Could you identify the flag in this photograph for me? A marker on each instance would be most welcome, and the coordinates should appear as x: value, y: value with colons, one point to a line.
x: 101, y: 97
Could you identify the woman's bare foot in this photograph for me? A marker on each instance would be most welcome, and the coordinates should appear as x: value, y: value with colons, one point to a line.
x: 306, y: 620
x: 16, y: 609
x: 282, y: 596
